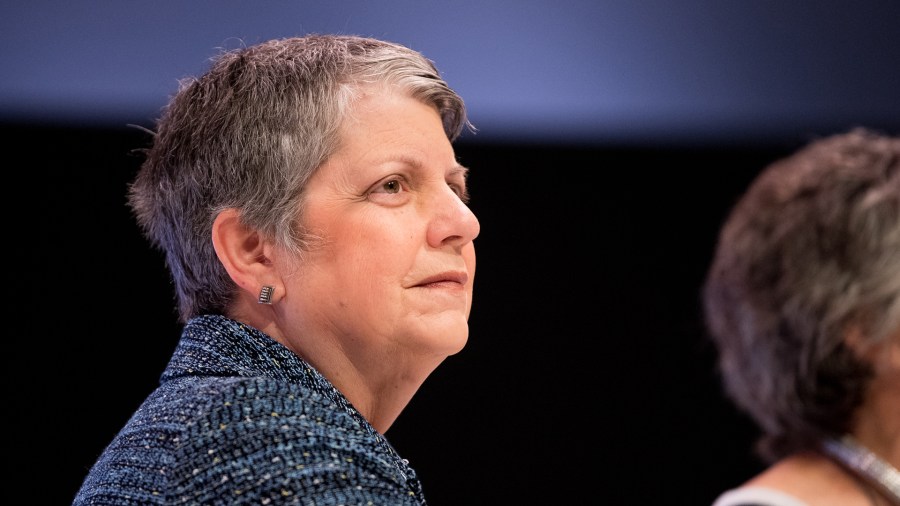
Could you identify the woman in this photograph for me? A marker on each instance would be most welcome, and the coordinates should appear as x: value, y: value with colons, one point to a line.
x: 803, y: 301
x: 313, y: 217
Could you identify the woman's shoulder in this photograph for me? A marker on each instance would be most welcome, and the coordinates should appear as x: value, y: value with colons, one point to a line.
x: 261, y: 437
x: 757, y: 496
x: 186, y: 415
x: 802, y: 479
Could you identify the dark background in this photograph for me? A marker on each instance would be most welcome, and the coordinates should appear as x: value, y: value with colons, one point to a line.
x: 587, y: 374
x: 614, y: 137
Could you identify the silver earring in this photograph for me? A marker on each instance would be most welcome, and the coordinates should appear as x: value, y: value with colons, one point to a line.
x: 265, y: 294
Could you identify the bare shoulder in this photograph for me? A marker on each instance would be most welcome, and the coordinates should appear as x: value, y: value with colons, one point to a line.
x: 814, y: 480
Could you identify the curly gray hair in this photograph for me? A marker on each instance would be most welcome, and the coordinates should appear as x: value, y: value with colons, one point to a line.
x: 809, y: 252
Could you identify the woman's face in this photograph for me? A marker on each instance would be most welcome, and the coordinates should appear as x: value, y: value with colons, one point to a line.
x: 391, y: 277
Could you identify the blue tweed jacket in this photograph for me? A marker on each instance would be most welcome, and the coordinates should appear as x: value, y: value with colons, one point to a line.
x: 240, y: 419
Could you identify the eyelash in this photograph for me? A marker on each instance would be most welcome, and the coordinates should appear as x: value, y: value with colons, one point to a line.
x: 460, y: 190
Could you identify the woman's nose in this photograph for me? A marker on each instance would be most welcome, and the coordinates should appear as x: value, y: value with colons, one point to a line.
x: 453, y: 222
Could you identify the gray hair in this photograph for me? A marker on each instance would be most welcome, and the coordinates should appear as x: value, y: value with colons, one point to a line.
x: 809, y: 252
x: 248, y: 134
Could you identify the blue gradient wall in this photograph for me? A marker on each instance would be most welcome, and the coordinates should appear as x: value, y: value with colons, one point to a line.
x: 572, y: 70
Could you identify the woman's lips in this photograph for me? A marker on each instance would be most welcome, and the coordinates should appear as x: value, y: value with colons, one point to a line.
x: 444, y: 278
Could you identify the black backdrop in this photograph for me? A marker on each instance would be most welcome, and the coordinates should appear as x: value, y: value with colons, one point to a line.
x: 587, y: 377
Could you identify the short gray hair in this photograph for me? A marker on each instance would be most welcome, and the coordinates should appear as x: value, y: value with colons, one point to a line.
x: 248, y: 134
x: 810, y: 251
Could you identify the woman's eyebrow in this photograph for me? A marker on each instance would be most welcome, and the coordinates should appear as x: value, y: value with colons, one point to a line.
x: 414, y: 162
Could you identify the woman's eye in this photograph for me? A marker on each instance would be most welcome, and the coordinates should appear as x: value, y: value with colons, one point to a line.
x: 392, y: 186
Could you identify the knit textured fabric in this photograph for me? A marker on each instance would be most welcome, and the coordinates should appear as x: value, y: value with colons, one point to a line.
x: 240, y: 419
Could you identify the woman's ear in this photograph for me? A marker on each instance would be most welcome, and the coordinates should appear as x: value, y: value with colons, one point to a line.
x: 245, y: 254
x: 856, y: 341
x: 881, y: 355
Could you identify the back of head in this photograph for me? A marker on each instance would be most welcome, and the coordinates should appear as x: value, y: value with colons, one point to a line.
x: 811, y: 250
x: 249, y: 133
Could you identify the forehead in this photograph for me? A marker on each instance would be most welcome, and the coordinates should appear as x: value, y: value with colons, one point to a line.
x: 386, y: 127
x: 388, y: 112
